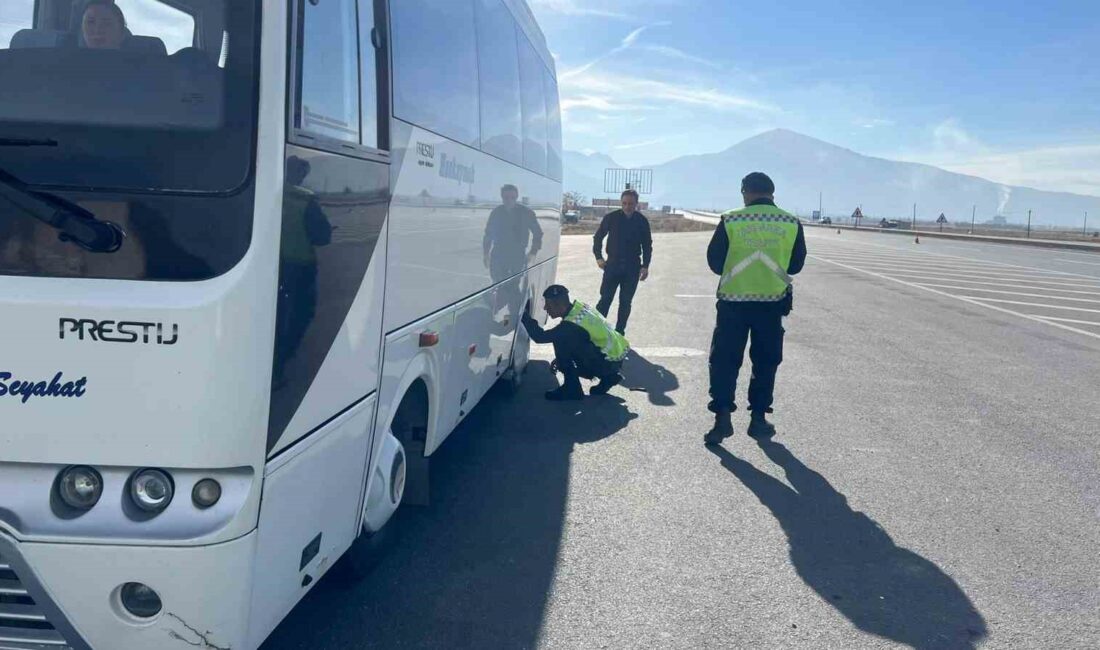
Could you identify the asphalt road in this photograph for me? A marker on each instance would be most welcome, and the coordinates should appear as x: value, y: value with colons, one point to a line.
x: 933, y: 484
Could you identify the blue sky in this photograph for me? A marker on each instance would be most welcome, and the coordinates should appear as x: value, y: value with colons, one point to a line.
x: 1007, y: 90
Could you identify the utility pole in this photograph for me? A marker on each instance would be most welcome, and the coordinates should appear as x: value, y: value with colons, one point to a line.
x: 1085, y: 228
x: 973, y: 215
x: 820, y: 213
x: 1029, y: 224
x: 914, y: 216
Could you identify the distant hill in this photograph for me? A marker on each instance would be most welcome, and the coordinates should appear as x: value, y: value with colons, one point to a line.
x: 584, y: 172
x: 802, y: 166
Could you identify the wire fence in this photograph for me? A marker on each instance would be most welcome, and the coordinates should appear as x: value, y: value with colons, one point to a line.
x: 1037, y: 230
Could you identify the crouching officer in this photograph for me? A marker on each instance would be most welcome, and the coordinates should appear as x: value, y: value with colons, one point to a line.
x: 756, y: 250
x: 585, y: 345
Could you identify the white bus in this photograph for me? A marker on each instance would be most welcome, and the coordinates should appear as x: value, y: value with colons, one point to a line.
x: 258, y: 258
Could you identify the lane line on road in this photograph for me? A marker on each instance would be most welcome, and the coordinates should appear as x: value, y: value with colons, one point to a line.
x: 982, y: 276
x: 1032, y: 304
x: 1000, y: 248
x: 995, y: 284
x: 1011, y: 293
x: 965, y: 266
x: 1076, y: 262
x: 981, y: 266
x: 957, y: 257
x: 1036, y: 319
x: 1071, y: 320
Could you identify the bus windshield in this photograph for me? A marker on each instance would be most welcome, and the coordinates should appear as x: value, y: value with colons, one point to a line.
x: 128, y: 94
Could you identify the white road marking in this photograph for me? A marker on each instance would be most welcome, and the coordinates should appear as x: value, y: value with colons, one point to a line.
x: 961, y: 266
x: 995, y: 284
x: 958, y: 257
x: 1011, y: 293
x: 984, y: 276
x: 971, y: 301
x: 1076, y: 262
x: 1030, y: 304
x: 1018, y: 247
x: 1071, y: 320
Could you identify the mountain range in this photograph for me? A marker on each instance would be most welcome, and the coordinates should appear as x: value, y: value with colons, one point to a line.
x: 802, y: 166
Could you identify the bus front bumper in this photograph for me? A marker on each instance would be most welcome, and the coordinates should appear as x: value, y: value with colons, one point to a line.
x: 205, y: 592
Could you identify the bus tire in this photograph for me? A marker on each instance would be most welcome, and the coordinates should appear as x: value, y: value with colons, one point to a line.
x: 366, y: 554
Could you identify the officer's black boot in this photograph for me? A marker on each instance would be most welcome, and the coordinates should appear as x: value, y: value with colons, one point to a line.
x: 606, y: 384
x: 570, y: 390
x: 760, y: 428
x: 723, y: 427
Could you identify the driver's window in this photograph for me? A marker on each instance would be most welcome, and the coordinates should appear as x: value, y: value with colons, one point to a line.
x: 151, y: 18
x: 14, y: 16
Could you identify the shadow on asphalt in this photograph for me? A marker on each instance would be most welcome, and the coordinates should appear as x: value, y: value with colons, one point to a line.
x: 852, y: 563
x: 641, y: 374
x: 473, y: 569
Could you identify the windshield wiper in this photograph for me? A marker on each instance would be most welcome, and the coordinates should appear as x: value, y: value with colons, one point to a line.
x: 73, y: 223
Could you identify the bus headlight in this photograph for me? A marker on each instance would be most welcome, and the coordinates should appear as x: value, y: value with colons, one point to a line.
x: 151, y: 490
x: 140, y: 600
x: 206, y: 493
x: 80, y: 487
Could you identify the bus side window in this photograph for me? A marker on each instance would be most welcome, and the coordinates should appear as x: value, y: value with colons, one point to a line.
x: 553, y: 128
x: 531, y: 70
x: 435, y: 82
x: 498, y: 74
x: 328, y: 70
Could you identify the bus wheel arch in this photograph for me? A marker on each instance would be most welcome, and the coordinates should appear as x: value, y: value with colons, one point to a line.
x: 410, y: 425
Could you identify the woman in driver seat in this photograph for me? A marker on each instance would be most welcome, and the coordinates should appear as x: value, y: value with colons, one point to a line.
x: 103, y: 25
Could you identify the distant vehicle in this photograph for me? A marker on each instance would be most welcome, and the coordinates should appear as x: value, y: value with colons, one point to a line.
x: 888, y: 223
x: 826, y: 221
x: 570, y: 216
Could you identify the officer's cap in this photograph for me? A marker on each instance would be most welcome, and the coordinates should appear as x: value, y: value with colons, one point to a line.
x: 555, y: 291
x: 757, y: 183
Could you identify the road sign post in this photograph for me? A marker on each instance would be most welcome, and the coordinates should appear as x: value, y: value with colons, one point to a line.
x: 617, y: 180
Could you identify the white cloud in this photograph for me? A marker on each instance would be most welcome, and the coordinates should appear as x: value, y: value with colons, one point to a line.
x: 875, y: 123
x: 950, y: 135
x: 1059, y: 168
x: 1073, y: 168
x: 676, y: 53
x: 611, y: 91
x: 625, y: 44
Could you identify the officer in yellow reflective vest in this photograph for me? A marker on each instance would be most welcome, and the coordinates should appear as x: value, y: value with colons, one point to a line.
x: 755, y: 250
x: 585, y: 345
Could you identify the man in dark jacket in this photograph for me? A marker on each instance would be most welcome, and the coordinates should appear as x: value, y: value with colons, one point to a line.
x: 629, y: 251
x: 505, y: 244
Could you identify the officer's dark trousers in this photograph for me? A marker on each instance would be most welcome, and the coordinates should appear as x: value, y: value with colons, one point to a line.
x: 737, y: 324
x: 625, y: 281
x: 582, y: 360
